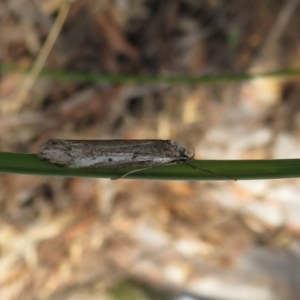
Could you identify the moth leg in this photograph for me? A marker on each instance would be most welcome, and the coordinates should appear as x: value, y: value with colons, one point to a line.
x: 209, y: 172
x: 124, y: 175
x: 149, y: 167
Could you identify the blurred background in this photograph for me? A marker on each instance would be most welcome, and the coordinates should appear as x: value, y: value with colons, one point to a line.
x: 74, y: 238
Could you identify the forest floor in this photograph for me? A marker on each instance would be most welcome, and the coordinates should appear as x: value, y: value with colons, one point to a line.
x: 75, y: 238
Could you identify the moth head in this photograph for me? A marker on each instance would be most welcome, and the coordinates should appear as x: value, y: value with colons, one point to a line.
x: 182, y: 152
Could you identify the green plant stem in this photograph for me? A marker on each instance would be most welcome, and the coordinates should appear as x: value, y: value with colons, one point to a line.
x: 148, y: 79
x: 19, y: 163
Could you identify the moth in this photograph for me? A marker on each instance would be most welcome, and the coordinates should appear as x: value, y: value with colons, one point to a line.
x: 115, y: 154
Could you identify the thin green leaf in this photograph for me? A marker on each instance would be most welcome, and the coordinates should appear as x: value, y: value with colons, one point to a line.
x: 140, y: 79
x: 19, y: 163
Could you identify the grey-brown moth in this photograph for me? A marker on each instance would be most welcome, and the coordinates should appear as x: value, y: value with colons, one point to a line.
x: 115, y: 154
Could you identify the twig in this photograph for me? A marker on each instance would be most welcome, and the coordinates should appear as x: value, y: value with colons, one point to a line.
x: 41, y: 59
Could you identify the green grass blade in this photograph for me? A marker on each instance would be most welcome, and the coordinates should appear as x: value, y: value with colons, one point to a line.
x: 19, y: 163
x: 148, y: 79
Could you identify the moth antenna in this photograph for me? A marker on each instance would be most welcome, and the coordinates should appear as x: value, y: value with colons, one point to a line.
x: 190, y: 165
x: 209, y: 172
